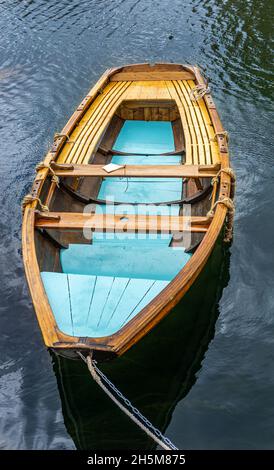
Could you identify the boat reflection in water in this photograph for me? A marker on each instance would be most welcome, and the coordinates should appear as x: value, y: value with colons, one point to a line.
x: 154, y: 375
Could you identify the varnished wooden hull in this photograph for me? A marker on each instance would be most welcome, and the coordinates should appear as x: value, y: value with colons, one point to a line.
x: 205, y: 153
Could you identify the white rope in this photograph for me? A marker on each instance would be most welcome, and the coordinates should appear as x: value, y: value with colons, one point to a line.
x: 155, y: 434
x: 42, y: 166
x: 198, y: 92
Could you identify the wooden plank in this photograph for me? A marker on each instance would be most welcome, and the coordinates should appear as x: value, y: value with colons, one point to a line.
x: 198, y: 149
x: 188, y: 141
x: 148, y: 90
x: 89, y: 123
x: 156, y: 103
x: 157, y: 67
x: 215, y: 119
x: 81, y: 109
x: 146, y: 171
x: 190, y: 124
x: 213, y: 146
x: 203, y: 140
x: 150, y: 76
x: 69, y: 149
x: 100, y: 125
x: 123, y: 223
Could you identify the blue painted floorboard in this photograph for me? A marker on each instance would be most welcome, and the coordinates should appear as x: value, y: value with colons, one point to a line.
x: 106, y: 283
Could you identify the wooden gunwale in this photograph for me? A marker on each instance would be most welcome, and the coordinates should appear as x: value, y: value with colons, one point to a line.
x: 68, y: 129
x: 160, y: 306
x: 79, y: 132
x: 84, y: 135
x: 92, y: 131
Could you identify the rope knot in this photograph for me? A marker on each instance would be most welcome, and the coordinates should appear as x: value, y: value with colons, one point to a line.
x: 229, y: 204
x: 228, y: 171
x: 226, y: 201
x: 42, y: 166
x: 57, y: 136
x: 198, y: 92
x: 28, y: 199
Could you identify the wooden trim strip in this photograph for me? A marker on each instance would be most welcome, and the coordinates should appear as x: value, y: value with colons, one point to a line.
x: 213, y: 147
x: 193, y: 156
x: 199, y: 196
x: 70, y: 152
x: 102, y: 125
x: 188, y: 138
x: 84, y: 105
x: 127, y: 154
x: 96, y: 114
x: 198, y: 148
x: 204, y: 146
x: 123, y: 223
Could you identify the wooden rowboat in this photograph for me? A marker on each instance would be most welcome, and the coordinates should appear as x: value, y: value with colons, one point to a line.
x: 126, y: 208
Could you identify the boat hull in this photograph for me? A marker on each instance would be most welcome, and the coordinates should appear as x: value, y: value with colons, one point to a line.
x: 148, y: 93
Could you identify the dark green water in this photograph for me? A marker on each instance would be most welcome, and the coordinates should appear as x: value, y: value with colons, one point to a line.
x: 205, y: 376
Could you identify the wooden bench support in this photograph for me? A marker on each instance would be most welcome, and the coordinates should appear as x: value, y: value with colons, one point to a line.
x: 105, y: 151
x: 199, y: 196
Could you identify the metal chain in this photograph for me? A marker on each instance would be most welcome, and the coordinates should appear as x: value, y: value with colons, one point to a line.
x: 137, y: 414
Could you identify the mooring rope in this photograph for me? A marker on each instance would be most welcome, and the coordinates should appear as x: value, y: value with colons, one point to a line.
x: 198, y: 92
x: 230, y: 172
x: 132, y: 412
x: 227, y: 201
x: 229, y: 204
x: 42, y: 166
x: 58, y: 135
x: 28, y: 199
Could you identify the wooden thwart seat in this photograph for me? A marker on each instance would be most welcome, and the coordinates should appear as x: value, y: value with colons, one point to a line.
x: 122, y: 223
x: 145, y: 171
x: 151, y: 76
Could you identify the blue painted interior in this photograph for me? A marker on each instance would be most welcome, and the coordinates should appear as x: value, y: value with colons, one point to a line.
x: 145, y: 137
x: 145, y: 191
x: 124, y: 260
x: 132, y: 239
x: 96, y: 306
x: 105, y: 284
x: 141, y: 209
